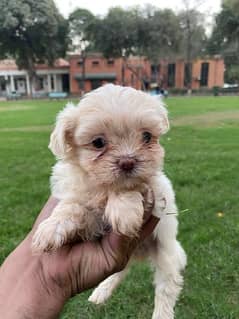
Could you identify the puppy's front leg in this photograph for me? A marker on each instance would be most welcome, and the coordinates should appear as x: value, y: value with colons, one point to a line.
x: 125, y: 211
x: 66, y: 221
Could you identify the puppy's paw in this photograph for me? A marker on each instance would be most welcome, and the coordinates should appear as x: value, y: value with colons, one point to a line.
x: 99, y: 296
x: 51, y: 234
x: 162, y: 314
x: 125, y: 213
x: 128, y: 225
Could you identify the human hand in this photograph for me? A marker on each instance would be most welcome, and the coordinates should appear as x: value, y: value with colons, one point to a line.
x: 38, y: 286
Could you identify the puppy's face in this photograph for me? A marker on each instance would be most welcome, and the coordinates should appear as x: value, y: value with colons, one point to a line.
x: 113, y: 135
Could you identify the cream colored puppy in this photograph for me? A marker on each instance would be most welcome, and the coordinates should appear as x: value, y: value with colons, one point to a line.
x: 108, y: 151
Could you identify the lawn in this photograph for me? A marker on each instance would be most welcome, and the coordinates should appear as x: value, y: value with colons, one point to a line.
x: 202, y: 161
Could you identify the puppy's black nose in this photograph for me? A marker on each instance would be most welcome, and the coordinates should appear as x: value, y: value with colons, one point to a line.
x: 127, y: 164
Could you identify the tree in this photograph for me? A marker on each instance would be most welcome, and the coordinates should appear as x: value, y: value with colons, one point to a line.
x: 148, y: 32
x: 32, y: 32
x: 80, y: 23
x: 159, y: 37
x: 233, y: 4
x: 225, y: 38
x: 115, y: 35
x: 158, y: 34
x: 142, y: 31
x: 193, y: 36
x: 226, y: 29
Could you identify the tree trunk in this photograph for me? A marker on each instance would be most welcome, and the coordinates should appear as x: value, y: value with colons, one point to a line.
x: 83, y: 59
x: 123, y: 70
x: 189, y: 53
x: 32, y: 74
x: 137, y: 76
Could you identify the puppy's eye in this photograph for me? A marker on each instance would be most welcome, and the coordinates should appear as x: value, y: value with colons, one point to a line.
x: 99, y: 142
x: 147, y: 137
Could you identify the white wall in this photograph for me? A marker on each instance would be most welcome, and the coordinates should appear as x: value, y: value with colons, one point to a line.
x: 22, y: 85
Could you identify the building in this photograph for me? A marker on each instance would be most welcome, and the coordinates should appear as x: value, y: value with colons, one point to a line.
x: 95, y: 70
x: 206, y: 73
x: 48, y: 79
x: 80, y: 74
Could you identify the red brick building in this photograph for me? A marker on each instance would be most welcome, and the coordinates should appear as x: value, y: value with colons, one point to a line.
x: 76, y: 75
x: 206, y: 73
x: 97, y: 70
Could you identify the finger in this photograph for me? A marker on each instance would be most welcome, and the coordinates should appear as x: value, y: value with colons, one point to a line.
x: 148, y: 203
x: 111, y: 254
x: 92, y: 262
x: 119, y: 242
x: 121, y: 247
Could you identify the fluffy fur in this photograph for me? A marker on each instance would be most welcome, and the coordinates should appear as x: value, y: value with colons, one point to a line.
x: 98, y: 185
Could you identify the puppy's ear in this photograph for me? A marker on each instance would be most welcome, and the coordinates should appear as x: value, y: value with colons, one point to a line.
x: 61, y: 140
x: 163, y: 116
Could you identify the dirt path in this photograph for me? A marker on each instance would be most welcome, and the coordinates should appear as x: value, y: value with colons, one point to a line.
x: 40, y: 128
x: 16, y: 108
x: 207, y: 119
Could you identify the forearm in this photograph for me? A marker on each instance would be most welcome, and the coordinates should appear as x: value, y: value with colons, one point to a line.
x: 28, y: 295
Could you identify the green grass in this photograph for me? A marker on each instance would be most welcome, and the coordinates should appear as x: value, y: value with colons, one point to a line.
x: 202, y: 162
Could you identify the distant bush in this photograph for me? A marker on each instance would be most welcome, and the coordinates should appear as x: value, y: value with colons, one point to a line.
x: 178, y: 91
x: 202, y: 91
x: 229, y: 90
x: 216, y: 90
x: 184, y: 91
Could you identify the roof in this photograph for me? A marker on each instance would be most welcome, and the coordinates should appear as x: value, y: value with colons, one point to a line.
x: 96, y: 76
x: 89, y: 55
x: 10, y: 64
x: 61, y: 63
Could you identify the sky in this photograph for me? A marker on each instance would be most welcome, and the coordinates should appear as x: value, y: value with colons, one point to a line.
x: 100, y: 7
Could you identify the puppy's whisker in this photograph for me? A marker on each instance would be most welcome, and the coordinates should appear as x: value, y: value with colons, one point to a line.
x: 180, y: 212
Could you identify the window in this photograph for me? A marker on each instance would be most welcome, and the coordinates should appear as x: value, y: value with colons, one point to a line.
x: 155, y: 71
x: 155, y: 68
x: 187, y: 74
x: 95, y: 84
x: 95, y: 63
x: 41, y: 83
x: 171, y: 74
x: 16, y: 84
x: 52, y: 83
x: 110, y: 62
x: 2, y: 84
x: 204, y: 74
x: 80, y: 62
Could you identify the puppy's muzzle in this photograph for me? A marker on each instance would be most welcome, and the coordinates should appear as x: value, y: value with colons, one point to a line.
x: 127, y: 164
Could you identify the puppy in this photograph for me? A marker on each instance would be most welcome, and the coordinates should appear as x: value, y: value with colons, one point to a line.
x: 108, y: 152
